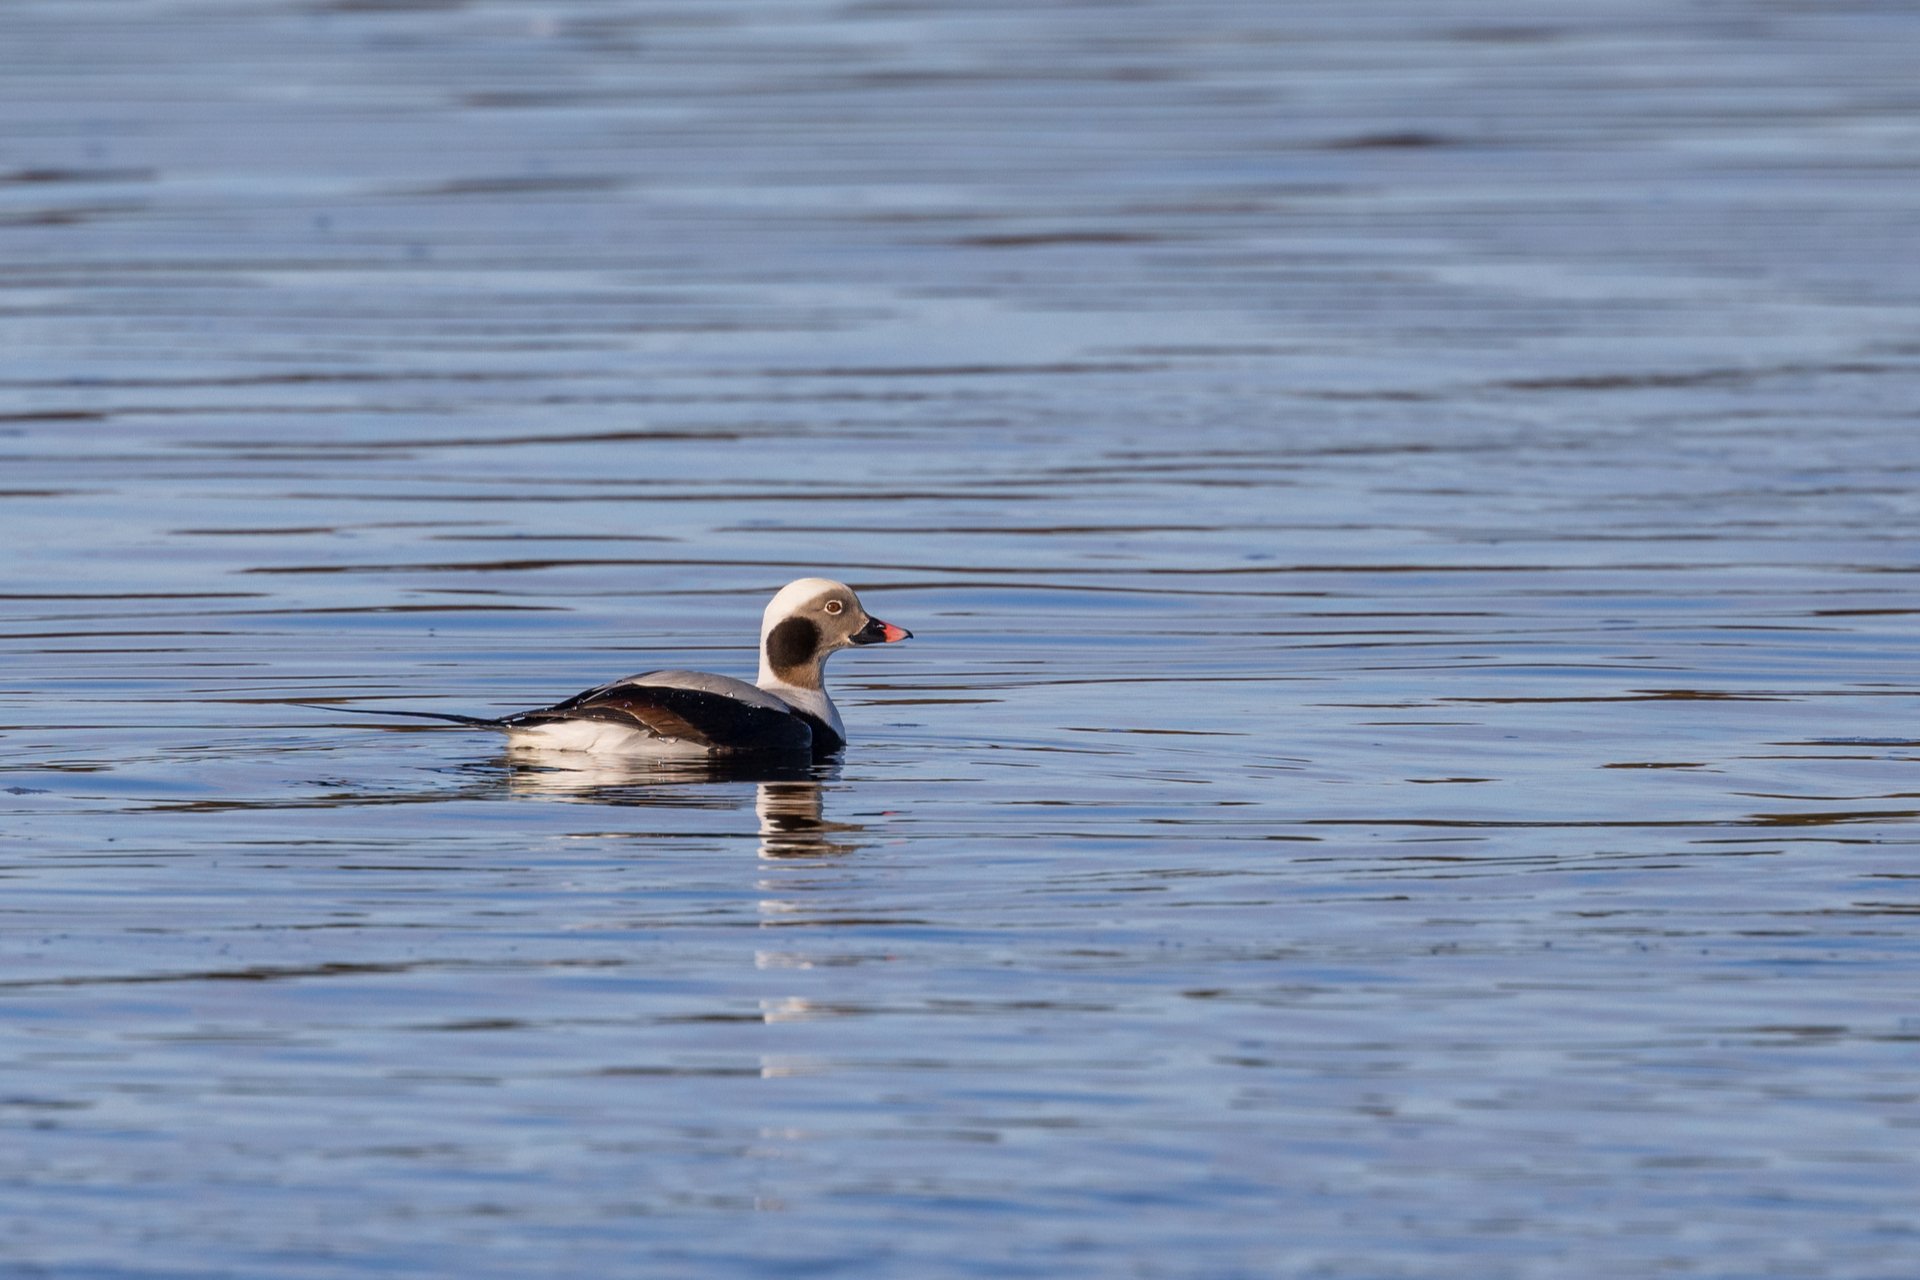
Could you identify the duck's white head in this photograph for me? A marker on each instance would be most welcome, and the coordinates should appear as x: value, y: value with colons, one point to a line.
x: 807, y: 622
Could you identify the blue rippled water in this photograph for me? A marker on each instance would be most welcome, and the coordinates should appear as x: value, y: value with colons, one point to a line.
x: 1407, y: 764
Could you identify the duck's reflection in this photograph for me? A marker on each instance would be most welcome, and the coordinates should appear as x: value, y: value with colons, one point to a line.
x: 791, y: 825
x: 787, y: 795
x: 610, y: 779
x: 801, y: 881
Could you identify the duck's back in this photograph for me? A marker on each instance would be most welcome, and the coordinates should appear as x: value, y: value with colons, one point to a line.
x: 666, y: 713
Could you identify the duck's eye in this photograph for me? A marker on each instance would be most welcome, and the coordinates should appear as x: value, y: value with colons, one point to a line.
x: 835, y: 608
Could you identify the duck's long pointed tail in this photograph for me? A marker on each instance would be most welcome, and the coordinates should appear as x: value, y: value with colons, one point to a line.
x: 475, y: 722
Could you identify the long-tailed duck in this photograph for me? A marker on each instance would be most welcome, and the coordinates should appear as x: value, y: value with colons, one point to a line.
x: 694, y: 714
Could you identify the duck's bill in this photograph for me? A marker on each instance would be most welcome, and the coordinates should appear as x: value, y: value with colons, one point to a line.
x: 878, y: 632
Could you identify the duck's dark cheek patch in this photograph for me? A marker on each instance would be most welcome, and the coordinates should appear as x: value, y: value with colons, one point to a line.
x: 793, y: 643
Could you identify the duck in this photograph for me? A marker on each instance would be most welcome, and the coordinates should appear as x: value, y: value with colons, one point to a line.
x: 676, y: 714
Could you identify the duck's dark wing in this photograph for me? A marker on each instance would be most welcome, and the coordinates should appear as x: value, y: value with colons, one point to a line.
x: 720, y: 722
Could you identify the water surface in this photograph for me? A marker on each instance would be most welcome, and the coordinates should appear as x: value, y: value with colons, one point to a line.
x: 1408, y: 763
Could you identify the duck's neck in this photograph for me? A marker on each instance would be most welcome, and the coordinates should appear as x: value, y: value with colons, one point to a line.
x: 812, y: 703
x: 804, y: 688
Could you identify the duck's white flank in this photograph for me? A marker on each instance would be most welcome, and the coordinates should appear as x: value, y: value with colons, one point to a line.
x: 597, y: 735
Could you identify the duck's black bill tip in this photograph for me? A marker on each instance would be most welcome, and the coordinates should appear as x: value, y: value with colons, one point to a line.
x: 878, y: 632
